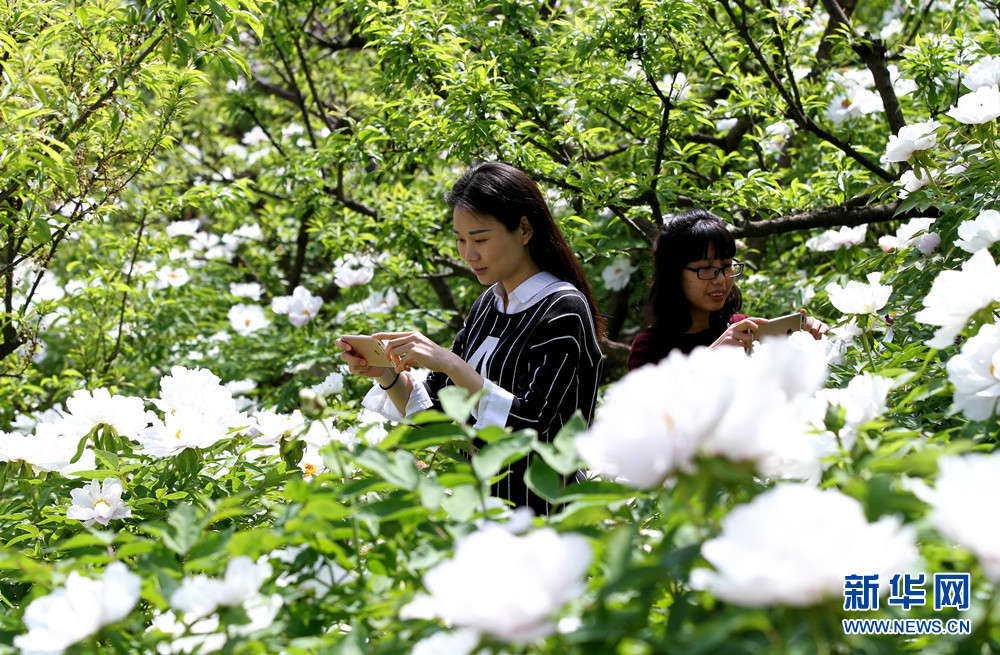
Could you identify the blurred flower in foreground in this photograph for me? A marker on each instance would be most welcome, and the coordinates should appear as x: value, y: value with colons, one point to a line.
x: 963, y: 496
x: 911, y: 138
x: 98, y: 502
x: 981, y: 232
x: 198, y: 596
x: 794, y: 544
x: 457, y: 642
x: 915, y: 232
x: 858, y: 297
x: 617, y: 273
x: 657, y: 419
x: 833, y: 239
x: 863, y: 400
x: 505, y: 585
x: 956, y: 295
x: 975, y: 374
x: 79, y: 609
x: 301, y: 306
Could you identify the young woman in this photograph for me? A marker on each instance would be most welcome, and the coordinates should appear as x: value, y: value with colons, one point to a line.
x: 693, y: 300
x: 530, y: 340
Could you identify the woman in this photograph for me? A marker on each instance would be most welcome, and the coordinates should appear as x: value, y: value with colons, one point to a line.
x: 529, y: 343
x: 693, y: 300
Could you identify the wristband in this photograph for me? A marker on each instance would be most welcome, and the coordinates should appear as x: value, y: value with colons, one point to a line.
x: 394, y: 381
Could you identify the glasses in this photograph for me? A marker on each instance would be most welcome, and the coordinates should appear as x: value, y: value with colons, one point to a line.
x: 712, y: 272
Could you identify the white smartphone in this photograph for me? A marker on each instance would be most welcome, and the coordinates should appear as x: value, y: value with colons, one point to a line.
x: 368, y: 347
x: 781, y: 326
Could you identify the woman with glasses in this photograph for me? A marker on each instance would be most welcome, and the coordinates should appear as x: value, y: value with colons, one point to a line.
x: 693, y: 300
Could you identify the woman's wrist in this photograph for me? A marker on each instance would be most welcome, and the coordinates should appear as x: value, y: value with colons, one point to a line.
x: 387, y: 379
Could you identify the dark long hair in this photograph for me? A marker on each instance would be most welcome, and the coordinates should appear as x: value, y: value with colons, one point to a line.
x: 507, y: 194
x: 687, y: 238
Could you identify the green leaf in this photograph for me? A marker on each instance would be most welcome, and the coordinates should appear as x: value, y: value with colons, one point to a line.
x: 561, y: 454
x: 186, y: 529
x: 492, y: 457
x: 456, y: 403
x: 398, y: 470
x: 541, y: 479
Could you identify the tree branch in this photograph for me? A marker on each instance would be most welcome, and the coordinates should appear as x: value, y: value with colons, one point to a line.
x: 844, y: 215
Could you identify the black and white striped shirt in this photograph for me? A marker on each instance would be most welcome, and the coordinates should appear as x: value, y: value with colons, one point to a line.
x: 542, y: 363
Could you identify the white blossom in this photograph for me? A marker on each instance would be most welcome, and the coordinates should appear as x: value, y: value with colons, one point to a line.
x: 979, y: 233
x: 171, y: 277
x: 251, y: 290
x: 956, y: 295
x: 247, y: 319
x: 911, y: 181
x: 975, y: 374
x: 198, y: 596
x: 983, y: 73
x: 911, y: 138
x: 78, y: 609
x: 794, y: 545
x: 353, y: 270
x: 852, y: 104
x: 301, y: 306
x: 331, y: 384
x: 834, y: 239
x: 980, y: 106
x: 863, y: 400
x: 512, y: 598
x: 915, y: 232
x: 858, y: 297
x: 658, y: 418
x: 186, y: 228
x: 255, y: 136
x: 617, y: 273
x: 85, y: 410
x: 456, y: 642
x: 98, y: 502
x: 963, y: 498
x: 274, y: 426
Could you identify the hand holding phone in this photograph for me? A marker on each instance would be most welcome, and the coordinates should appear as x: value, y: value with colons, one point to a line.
x: 781, y: 326
x: 368, y: 347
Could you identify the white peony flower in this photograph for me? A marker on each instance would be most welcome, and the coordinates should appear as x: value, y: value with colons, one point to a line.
x: 983, y: 73
x: 975, y: 374
x: 182, y: 429
x: 251, y: 290
x: 352, y: 270
x: 962, y: 499
x: 794, y: 545
x: 198, y: 596
x: 98, y: 502
x: 274, y: 426
x: 85, y: 410
x: 301, y: 306
x: 78, y: 609
x: 456, y: 642
x: 254, y: 137
x: 915, y: 232
x: 854, y: 103
x: 658, y: 418
x: 331, y: 384
x: 528, y: 578
x: 981, y: 232
x: 834, y: 239
x: 910, y: 181
x: 956, y: 295
x: 776, y: 136
x: 247, y: 319
x: 911, y: 138
x: 171, y: 277
x: 858, y: 297
x: 46, y: 450
x: 183, y: 228
x: 617, y: 274
x: 980, y: 106
x: 863, y: 400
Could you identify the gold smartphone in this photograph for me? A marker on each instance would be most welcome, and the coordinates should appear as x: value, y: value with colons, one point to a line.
x: 368, y: 347
x: 781, y: 326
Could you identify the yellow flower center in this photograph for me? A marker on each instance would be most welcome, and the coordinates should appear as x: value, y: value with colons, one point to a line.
x: 246, y: 322
x: 669, y: 420
x: 101, y: 500
x: 177, y: 435
x: 310, y: 469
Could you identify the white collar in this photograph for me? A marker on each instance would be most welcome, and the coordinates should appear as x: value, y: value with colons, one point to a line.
x: 528, y: 292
